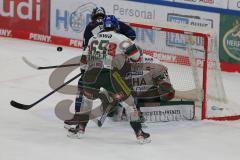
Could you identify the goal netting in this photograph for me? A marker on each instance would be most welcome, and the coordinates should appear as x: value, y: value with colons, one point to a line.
x: 193, y: 64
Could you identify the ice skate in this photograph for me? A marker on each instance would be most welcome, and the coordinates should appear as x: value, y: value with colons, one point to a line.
x: 77, y: 132
x: 74, y: 121
x: 143, y: 137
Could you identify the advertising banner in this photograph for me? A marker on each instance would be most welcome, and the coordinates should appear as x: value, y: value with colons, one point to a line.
x: 69, y: 19
x: 208, y: 3
x: 234, y: 4
x: 230, y: 39
x: 25, y: 15
x: 216, y: 6
x: 166, y: 113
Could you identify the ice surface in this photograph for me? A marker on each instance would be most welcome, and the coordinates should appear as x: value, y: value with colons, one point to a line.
x: 37, y: 134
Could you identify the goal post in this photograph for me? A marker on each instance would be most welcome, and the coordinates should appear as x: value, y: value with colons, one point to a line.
x: 193, y: 63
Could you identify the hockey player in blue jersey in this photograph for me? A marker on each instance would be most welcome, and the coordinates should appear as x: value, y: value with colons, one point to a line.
x: 94, y: 27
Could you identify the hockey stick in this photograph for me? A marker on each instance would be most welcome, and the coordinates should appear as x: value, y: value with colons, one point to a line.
x: 26, y: 107
x: 48, y: 67
x: 193, y: 94
x: 106, y: 102
x: 104, y: 116
x: 190, y: 94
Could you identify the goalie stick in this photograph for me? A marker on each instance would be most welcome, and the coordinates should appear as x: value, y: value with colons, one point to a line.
x: 48, y: 67
x: 189, y: 95
x: 26, y: 107
x: 192, y: 94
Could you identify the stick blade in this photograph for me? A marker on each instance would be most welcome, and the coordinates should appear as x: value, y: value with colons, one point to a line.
x: 99, y: 123
x: 20, y: 106
x: 29, y: 63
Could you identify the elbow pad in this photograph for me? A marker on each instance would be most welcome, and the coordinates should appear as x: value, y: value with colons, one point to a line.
x: 134, y: 53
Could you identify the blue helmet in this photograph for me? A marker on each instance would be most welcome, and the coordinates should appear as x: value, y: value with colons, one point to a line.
x: 110, y: 22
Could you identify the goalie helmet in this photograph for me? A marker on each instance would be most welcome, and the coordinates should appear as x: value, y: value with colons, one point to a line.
x: 98, y: 13
x: 110, y: 22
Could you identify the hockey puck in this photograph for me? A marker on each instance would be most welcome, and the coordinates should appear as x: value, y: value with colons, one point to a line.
x: 59, y: 49
x: 99, y: 123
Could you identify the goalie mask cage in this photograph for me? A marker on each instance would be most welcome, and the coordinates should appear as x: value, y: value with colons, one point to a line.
x: 193, y: 65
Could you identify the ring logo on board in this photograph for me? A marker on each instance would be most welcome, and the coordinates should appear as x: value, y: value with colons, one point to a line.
x: 78, y: 20
x: 75, y: 20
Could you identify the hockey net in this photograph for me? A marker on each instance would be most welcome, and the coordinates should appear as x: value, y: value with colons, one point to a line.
x: 193, y: 64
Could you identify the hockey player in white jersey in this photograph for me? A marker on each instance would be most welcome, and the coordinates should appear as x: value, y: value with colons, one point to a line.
x: 94, y: 27
x: 105, y: 56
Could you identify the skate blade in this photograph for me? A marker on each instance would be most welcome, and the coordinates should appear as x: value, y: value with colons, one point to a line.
x: 66, y: 126
x: 143, y: 141
x: 75, y: 135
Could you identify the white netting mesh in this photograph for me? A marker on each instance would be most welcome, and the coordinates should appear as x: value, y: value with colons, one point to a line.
x: 184, y: 56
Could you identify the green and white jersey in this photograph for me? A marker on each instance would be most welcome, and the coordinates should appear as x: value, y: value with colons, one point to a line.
x: 105, y: 46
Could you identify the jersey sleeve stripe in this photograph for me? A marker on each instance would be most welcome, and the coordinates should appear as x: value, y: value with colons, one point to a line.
x: 131, y: 50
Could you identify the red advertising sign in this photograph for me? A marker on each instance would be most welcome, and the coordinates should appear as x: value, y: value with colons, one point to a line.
x: 25, y: 15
